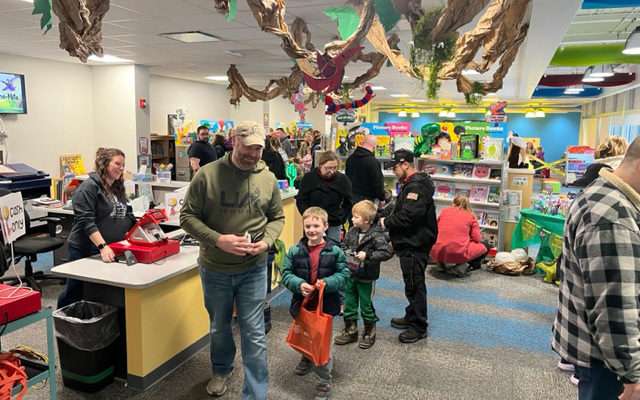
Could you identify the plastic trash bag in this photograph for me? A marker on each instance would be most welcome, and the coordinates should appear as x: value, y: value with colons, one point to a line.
x: 86, y: 325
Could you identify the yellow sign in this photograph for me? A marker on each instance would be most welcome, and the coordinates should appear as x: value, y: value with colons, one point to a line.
x: 529, y: 229
x: 71, y: 164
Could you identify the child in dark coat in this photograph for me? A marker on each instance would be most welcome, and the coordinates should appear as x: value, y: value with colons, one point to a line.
x: 365, y: 247
x: 312, y: 260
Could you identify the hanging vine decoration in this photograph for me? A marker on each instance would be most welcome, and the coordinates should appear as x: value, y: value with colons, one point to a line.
x: 474, y: 97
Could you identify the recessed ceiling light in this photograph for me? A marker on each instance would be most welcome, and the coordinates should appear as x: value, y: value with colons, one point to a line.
x: 217, y: 78
x: 399, y: 95
x: 419, y: 100
x: 28, y: 1
x: 378, y: 88
x: 191, y: 37
x: 108, y: 59
x: 234, y: 53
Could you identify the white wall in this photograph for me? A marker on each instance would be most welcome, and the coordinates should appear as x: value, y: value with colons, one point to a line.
x: 114, y: 102
x: 142, y: 115
x: 201, y: 100
x: 60, y: 113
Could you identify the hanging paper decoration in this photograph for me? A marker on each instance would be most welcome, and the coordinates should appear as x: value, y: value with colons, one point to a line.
x: 333, y: 108
x: 555, y: 242
x: 297, y: 98
x: 233, y: 9
x: 346, y: 115
x: 43, y: 7
x: 332, y: 71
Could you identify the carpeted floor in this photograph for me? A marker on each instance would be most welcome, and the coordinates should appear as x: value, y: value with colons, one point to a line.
x: 488, y: 338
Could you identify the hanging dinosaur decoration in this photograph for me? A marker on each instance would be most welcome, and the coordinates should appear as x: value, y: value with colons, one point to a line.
x: 331, y: 71
x: 333, y: 108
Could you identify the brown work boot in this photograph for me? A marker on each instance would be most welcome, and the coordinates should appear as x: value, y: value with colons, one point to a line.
x: 368, y: 335
x: 349, y: 333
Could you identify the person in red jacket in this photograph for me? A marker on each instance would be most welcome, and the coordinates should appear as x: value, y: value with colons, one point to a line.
x: 459, y: 240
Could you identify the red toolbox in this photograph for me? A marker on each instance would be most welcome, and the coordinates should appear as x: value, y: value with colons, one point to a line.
x: 23, y: 302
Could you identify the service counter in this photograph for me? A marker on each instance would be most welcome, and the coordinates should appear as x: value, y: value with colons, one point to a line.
x: 161, y: 308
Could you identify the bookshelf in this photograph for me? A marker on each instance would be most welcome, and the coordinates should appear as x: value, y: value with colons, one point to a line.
x: 462, y: 178
x: 163, y: 151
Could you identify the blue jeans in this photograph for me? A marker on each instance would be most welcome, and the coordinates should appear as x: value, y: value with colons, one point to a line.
x: 73, y: 291
x: 334, y: 232
x: 249, y: 289
x: 598, y: 383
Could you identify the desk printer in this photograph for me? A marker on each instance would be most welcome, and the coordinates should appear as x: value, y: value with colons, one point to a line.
x: 146, y: 240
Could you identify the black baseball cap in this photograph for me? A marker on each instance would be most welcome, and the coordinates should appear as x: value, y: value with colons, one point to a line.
x: 400, y: 156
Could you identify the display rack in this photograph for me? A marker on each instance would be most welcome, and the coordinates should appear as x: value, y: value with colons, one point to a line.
x: 577, y: 163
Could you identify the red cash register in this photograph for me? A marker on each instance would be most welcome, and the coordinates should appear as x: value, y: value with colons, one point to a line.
x: 146, y: 240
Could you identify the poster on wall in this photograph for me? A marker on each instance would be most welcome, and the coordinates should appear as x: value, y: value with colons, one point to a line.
x: 71, y: 164
x: 217, y: 125
x: 185, y: 133
x: 143, y: 145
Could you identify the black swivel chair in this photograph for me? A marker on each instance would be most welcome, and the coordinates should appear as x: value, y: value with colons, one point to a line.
x: 37, y: 240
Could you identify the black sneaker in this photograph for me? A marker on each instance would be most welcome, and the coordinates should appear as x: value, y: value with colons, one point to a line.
x: 411, y: 336
x: 304, y: 367
x: 323, y: 391
x: 399, y: 323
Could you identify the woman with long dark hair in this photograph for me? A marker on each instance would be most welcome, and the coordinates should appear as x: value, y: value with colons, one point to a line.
x: 100, y: 216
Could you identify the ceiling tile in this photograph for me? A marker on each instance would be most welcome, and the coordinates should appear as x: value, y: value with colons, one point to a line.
x: 160, y: 8
x: 204, y: 20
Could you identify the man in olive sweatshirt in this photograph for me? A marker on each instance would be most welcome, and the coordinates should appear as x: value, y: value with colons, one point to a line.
x: 234, y: 209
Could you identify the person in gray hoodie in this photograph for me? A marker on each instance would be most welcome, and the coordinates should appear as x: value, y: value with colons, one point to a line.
x: 101, y: 216
x: 234, y: 209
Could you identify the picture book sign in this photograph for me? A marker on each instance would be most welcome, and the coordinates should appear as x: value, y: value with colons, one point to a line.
x: 12, y: 221
x: 387, y: 128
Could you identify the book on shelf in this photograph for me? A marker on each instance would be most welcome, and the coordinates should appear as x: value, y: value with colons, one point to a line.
x: 462, y: 170
x: 481, y: 171
x: 495, y: 174
x: 479, y: 193
x: 494, y: 195
x: 403, y: 142
x: 428, y: 168
x: 491, y: 219
x: 384, y: 146
x: 445, y: 151
x: 468, y: 146
x: 492, y: 148
x: 444, y: 190
x: 491, y: 237
x: 480, y: 216
x: 460, y: 192
x: 444, y: 169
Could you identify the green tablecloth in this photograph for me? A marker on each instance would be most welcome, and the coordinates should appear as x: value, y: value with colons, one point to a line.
x: 543, y: 229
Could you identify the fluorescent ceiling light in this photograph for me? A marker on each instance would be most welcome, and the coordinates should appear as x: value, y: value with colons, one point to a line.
x: 415, y: 114
x: 451, y: 114
x: 491, y: 94
x: 443, y: 113
x: 632, y: 45
x: 399, y: 95
x: 418, y: 100
x: 539, y: 114
x: 28, y: 1
x: 378, y: 88
x: 470, y: 72
x: 108, y: 59
x: 588, y: 78
x: 602, y: 71
x: 191, y: 37
x: 217, y: 78
x: 234, y: 53
x: 530, y: 114
x: 402, y: 114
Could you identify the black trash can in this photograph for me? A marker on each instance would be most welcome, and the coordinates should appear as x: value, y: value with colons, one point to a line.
x: 86, y: 332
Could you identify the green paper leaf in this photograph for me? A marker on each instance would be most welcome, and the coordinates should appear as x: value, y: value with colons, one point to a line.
x: 233, y: 9
x: 43, y: 7
x: 348, y: 20
x: 387, y: 14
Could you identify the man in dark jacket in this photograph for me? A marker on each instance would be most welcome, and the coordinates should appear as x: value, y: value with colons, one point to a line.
x: 365, y: 173
x: 413, y: 229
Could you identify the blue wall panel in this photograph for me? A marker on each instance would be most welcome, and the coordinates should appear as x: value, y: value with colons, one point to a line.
x: 556, y: 131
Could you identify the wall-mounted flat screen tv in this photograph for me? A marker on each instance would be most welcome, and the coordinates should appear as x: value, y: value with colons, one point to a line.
x: 12, y: 94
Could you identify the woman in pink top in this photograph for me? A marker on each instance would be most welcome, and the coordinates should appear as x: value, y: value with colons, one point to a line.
x: 459, y: 240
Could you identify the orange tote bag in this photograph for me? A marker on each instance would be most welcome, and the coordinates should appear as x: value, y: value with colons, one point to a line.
x: 310, y: 332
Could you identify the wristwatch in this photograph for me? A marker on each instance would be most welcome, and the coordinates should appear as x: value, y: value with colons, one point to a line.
x: 102, y: 246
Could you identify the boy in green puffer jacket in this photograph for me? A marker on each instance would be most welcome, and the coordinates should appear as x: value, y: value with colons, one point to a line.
x: 315, y: 258
x: 366, y: 248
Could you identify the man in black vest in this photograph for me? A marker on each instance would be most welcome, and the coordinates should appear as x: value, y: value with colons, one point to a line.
x: 201, y: 152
